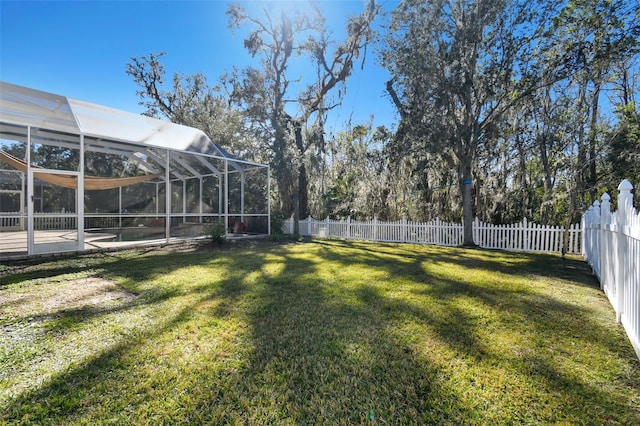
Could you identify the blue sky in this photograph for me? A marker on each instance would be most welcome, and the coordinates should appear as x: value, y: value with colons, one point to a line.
x: 80, y: 49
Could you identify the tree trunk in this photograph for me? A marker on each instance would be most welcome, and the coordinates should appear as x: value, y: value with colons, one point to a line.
x: 467, y: 203
x: 547, y: 181
x: 580, y: 175
x: 592, y: 176
x: 303, y: 191
x: 283, y: 177
x: 524, y: 186
x: 303, y: 180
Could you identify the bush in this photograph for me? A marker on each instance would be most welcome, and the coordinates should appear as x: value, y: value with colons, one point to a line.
x: 277, y: 223
x: 217, y: 231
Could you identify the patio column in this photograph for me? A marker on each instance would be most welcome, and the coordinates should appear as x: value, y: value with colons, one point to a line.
x: 226, y: 197
x: 23, y: 199
x: 80, y: 197
x: 184, y: 200
x: 119, y: 207
x: 200, y: 199
x: 220, y: 210
x: 167, y: 200
x: 30, y: 195
x: 242, y: 196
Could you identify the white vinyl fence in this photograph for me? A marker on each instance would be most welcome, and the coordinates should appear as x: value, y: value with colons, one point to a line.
x: 523, y: 236
x: 612, y: 248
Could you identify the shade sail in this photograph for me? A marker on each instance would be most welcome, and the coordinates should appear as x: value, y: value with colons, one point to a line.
x: 70, y: 181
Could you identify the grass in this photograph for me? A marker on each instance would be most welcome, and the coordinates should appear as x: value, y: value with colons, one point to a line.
x: 322, y: 332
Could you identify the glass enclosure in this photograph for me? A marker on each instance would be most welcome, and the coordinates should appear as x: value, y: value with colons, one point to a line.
x: 64, y: 190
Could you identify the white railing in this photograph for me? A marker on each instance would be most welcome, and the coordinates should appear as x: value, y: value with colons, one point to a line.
x: 16, y: 221
x: 96, y: 221
x: 612, y: 248
x: 52, y: 221
x: 12, y: 221
x: 523, y: 236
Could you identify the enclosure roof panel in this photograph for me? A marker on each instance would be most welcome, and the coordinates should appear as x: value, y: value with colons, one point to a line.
x: 30, y: 107
x: 26, y: 106
x: 109, y: 123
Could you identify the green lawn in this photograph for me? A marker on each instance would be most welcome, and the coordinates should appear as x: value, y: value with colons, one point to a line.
x: 323, y: 332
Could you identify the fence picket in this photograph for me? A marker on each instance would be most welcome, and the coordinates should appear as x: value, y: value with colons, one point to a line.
x: 523, y: 236
x: 612, y: 248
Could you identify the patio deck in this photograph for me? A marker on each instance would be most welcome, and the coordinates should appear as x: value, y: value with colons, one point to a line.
x: 13, y: 244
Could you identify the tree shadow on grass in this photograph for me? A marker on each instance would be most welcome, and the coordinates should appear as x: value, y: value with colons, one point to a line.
x: 534, y: 315
x: 526, y: 302
x: 307, y: 360
x: 30, y: 269
x: 540, y: 359
x: 331, y: 361
x: 549, y: 265
x: 63, y: 399
x: 20, y: 271
x: 278, y: 342
x: 305, y: 334
x: 72, y: 394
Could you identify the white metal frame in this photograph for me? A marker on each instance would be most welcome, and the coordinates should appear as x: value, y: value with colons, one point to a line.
x: 58, y: 115
x: 33, y: 247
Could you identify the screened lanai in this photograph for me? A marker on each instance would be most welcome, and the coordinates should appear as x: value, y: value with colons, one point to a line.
x: 76, y: 176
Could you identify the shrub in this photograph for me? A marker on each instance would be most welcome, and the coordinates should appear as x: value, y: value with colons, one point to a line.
x: 277, y: 223
x: 217, y: 231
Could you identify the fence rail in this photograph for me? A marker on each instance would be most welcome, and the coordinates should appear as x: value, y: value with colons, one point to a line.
x: 50, y: 221
x: 12, y: 221
x: 612, y: 248
x: 523, y: 236
x: 17, y: 221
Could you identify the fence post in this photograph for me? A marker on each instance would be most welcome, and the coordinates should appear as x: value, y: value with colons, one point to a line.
x: 603, y: 216
x: 375, y: 228
x: 404, y: 229
x: 476, y: 231
x: 348, y: 227
x: 625, y: 199
x: 290, y: 225
x: 625, y: 196
x: 583, y: 222
x: 595, y: 239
